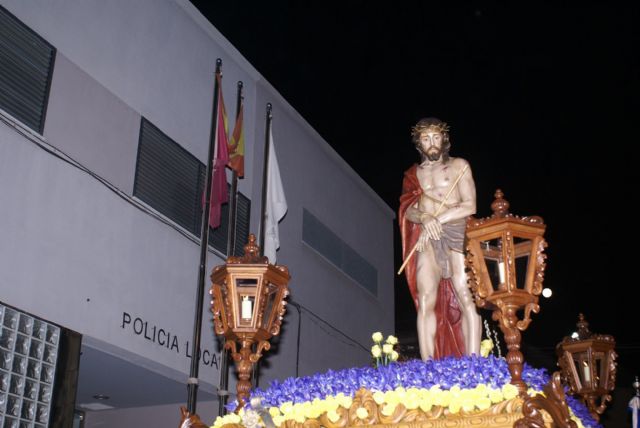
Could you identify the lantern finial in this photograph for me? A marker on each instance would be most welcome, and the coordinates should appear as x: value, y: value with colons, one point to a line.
x: 251, y: 253
x: 583, y: 327
x: 500, y: 206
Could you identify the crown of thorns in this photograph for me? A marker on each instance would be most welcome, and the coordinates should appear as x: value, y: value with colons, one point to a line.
x: 434, y: 127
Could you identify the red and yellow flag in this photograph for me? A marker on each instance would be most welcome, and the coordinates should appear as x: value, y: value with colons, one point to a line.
x: 236, y: 146
x: 219, y: 194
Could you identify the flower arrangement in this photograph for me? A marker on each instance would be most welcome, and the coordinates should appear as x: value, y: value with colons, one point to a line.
x: 383, y: 353
x: 470, y: 383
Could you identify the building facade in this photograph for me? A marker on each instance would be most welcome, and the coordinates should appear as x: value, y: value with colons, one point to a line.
x: 105, y: 115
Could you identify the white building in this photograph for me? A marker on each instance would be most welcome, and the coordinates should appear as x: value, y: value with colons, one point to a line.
x: 105, y: 113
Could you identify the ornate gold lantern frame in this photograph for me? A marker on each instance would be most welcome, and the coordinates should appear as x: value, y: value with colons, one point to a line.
x: 505, y: 254
x: 248, y: 306
x: 588, y: 364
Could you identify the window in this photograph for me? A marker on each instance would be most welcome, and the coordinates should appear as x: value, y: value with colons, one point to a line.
x: 28, y: 356
x: 26, y: 65
x: 171, y: 180
x: 339, y: 253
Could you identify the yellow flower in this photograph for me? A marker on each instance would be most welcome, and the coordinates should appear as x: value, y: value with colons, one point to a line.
x: 443, y: 398
x: 391, y: 397
x: 377, y: 337
x: 400, y: 393
x: 278, y: 420
x: 495, y: 395
x: 344, y: 401
x: 411, y: 403
x: 392, y: 340
x: 231, y: 418
x: 394, y: 356
x: 485, y: 347
x: 389, y: 408
x: 425, y: 404
x: 376, y: 351
x: 286, y: 407
x: 362, y: 413
x: 454, y: 406
x: 274, y: 411
x: 509, y: 391
x: 468, y: 404
x: 387, y: 348
x: 333, y: 416
x: 330, y: 403
x: 378, y: 397
x: 483, y: 403
x: 481, y: 389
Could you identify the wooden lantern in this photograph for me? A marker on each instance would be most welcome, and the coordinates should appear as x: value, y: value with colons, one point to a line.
x: 248, y: 305
x: 505, y: 256
x: 588, y: 363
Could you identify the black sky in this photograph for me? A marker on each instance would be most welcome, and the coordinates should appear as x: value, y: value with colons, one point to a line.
x: 542, y: 101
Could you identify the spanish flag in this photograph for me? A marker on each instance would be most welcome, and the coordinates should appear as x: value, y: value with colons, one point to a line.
x: 219, y: 194
x: 236, y: 146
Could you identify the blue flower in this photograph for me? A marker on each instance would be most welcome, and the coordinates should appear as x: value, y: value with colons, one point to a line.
x: 465, y: 372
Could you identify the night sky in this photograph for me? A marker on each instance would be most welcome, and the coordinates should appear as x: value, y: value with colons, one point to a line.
x: 541, y: 101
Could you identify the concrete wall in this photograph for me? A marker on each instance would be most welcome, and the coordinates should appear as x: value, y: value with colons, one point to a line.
x: 77, y: 249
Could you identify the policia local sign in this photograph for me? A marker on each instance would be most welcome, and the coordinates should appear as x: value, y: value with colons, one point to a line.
x: 164, y: 338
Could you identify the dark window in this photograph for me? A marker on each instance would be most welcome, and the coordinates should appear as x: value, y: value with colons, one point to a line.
x: 171, y: 180
x: 26, y: 65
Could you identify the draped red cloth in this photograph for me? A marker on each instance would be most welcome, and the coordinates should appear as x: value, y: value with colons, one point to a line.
x: 449, y: 340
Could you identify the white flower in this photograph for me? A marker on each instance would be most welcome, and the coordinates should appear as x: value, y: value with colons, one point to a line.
x: 377, y: 337
x: 376, y: 351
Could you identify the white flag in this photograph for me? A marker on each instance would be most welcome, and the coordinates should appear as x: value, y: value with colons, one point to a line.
x: 634, y: 406
x: 276, y: 205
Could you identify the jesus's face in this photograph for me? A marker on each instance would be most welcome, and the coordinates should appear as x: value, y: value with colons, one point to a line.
x: 431, y: 144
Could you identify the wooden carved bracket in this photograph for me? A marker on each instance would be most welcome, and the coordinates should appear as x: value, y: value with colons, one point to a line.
x: 188, y: 420
x: 554, y: 403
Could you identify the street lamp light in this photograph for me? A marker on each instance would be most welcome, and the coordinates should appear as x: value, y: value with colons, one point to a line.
x: 505, y: 256
x: 588, y: 363
x: 248, y: 305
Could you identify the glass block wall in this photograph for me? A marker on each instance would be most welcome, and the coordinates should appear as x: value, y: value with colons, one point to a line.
x: 28, y: 355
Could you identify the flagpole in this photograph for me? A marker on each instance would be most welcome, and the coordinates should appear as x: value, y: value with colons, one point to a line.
x: 231, y: 251
x: 192, y: 381
x: 265, y: 172
x: 263, y: 210
x: 233, y: 202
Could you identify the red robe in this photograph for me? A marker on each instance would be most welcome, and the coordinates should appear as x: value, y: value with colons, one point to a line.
x: 449, y: 339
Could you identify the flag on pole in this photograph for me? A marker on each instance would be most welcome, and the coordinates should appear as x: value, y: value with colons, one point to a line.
x: 276, y: 205
x: 236, y: 145
x: 219, y: 194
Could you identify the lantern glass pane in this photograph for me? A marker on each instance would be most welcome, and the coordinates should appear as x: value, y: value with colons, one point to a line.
x: 522, y: 264
x: 246, y: 284
x: 522, y: 252
x: 247, y: 305
x: 599, y: 369
x: 492, y: 252
x: 583, y: 369
x: 269, y: 305
x: 246, y: 294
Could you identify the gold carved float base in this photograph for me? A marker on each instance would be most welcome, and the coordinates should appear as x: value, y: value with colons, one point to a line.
x: 501, y: 415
